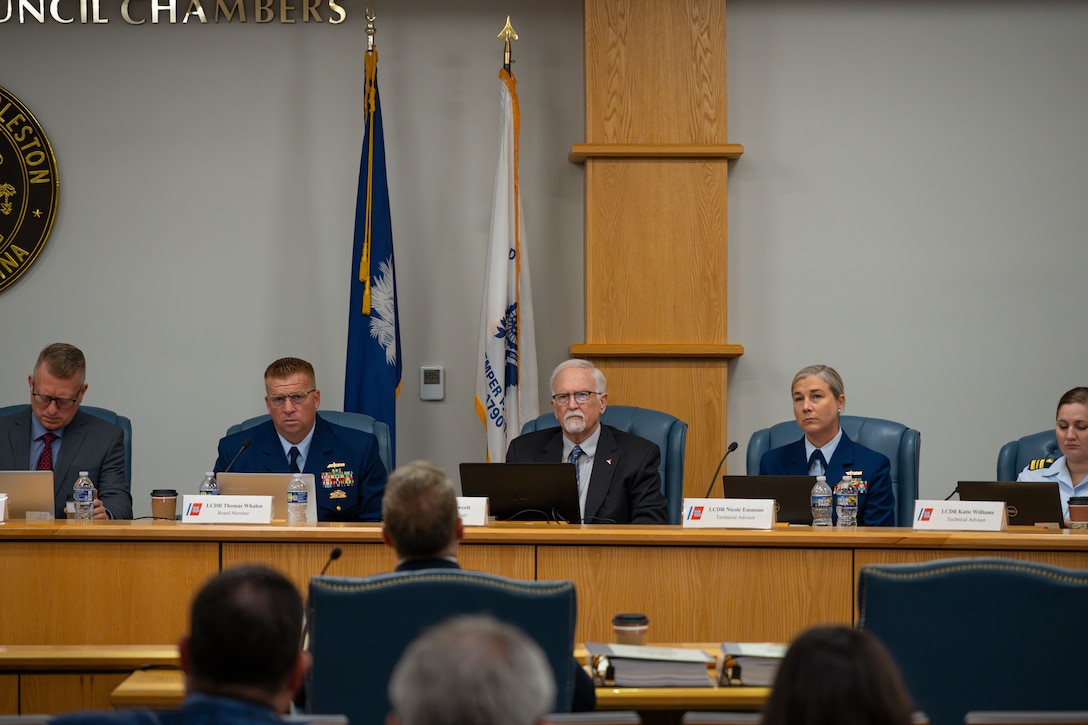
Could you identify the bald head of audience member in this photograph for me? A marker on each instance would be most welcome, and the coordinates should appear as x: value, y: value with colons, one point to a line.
x: 243, y: 639
x: 471, y: 670
x: 419, y: 513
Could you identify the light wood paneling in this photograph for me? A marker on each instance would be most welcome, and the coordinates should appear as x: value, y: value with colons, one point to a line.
x: 100, y: 592
x: 700, y: 594
x: 299, y: 562
x: 655, y: 71
x: 515, y: 562
x: 55, y: 694
x: 9, y: 694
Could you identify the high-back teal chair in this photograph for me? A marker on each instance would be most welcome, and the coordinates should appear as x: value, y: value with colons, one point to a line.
x: 358, y: 421
x: 902, y: 446
x: 107, y: 415
x: 360, y: 627
x: 979, y: 634
x: 1015, y: 455
x: 667, y: 431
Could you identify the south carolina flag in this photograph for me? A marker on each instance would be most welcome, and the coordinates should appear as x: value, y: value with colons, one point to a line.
x: 506, y: 386
x: 372, y: 373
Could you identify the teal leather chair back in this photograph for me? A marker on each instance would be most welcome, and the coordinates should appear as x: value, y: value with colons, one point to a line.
x: 667, y: 431
x: 1015, y: 455
x: 360, y: 627
x: 107, y: 415
x: 979, y: 634
x: 358, y: 421
x: 902, y: 446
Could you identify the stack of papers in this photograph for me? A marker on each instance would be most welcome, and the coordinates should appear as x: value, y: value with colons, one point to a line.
x: 625, y: 665
x: 754, y: 664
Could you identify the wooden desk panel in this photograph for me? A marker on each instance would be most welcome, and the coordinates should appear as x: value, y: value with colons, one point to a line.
x: 56, y: 694
x: 99, y: 592
x: 704, y: 593
x: 9, y: 694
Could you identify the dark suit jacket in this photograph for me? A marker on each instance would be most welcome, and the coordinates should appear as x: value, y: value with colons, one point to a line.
x: 585, y: 695
x: 89, y: 444
x: 195, y: 710
x: 876, y: 505
x: 625, y: 486
x: 348, y: 474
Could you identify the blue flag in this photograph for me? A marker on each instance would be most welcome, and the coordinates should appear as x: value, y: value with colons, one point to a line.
x: 372, y: 375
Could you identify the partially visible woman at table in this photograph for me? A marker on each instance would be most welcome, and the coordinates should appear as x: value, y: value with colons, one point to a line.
x: 1071, y: 430
x: 826, y: 450
x: 838, y: 676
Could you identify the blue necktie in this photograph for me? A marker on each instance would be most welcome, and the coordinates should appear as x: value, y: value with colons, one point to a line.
x: 292, y: 458
x: 575, y: 454
x: 817, y: 466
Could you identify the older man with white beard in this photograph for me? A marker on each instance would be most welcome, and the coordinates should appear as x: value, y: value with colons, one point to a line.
x: 618, y: 482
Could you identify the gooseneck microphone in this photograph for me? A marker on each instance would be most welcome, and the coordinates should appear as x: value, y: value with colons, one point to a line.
x: 304, y: 641
x: 713, y: 479
x: 245, y: 445
x: 333, y: 556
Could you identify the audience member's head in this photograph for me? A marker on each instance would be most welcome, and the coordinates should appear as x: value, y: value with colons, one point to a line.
x: 471, y: 670
x: 419, y: 512
x: 838, y: 676
x: 243, y: 641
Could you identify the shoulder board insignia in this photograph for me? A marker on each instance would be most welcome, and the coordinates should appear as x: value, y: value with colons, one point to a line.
x: 1039, y: 463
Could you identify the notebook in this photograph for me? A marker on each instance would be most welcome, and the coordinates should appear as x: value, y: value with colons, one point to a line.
x: 525, y: 491
x: 1028, y: 502
x: 30, y: 494
x: 268, y: 484
x: 792, y: 494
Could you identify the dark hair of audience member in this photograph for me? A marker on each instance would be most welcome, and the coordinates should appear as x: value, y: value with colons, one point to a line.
x: 838, y: 676
x: 244, y: 631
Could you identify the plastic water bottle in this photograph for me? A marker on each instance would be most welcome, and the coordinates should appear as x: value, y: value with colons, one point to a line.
x: 297, y: 499
x: 846, y: 503
x: 208, y: 487
x: 83, y: 495
x: 821, y: 502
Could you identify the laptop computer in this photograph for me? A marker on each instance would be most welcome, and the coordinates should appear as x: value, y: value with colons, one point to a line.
x: 525, y: 491
x: 30, y: 494
x: 268, y: 484
x: 1029, y: 503
x: 792, y: 494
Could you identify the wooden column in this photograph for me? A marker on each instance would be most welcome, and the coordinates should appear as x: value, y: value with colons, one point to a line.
x: 657, y: 163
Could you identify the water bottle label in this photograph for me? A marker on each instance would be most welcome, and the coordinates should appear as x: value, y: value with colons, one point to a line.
x: 297, y: 497
x: 84, y: 495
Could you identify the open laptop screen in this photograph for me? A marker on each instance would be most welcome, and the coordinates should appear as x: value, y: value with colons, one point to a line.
x: 792, y: 494
x: 525, y: 491
x: 268, y: 484
x: 30, y: 494
x: 1028, y: 503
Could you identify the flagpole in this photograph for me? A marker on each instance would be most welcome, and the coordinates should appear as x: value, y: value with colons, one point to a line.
x: 370, y: 29
x: 507, y: 34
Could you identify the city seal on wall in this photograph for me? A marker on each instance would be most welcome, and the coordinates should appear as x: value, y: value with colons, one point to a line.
x: 28, y: 189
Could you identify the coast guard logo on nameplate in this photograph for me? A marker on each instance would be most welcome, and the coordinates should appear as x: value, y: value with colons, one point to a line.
x: 28, y: 189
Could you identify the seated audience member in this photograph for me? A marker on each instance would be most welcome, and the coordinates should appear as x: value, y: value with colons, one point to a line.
x: 838, y: 676
x: 348, y: 473
x: 241, y: 657
x: 826, y: 450
x: 1071, y: 430
x: 618, y: 480
x: 421, y: 523
x: 53, y: 434
x: 471, y: 669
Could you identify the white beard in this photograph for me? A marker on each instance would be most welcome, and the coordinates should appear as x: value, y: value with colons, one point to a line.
x: 574, y: 423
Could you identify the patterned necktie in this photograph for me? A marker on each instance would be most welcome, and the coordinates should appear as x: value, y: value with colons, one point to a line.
x: 817, y: 466
x: 45, y: 460
x: 292, y: 458
x: 575, y: 454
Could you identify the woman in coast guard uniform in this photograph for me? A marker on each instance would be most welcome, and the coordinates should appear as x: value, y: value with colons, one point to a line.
x: 826, y: 450
x: 1071, y: 430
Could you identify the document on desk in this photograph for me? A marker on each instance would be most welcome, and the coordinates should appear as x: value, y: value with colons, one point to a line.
x: 639, y: 666
x: 753, y: 664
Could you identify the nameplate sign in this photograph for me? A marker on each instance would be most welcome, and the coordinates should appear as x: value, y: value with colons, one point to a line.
x: 729, y: 513
x: 224, y: 509
x: 472, y: 510
x: 960, y: 516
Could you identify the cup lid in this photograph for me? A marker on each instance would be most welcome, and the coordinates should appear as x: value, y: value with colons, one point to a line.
x: 1078, y: 501
x: 164, y: 492
x: 628, y: 620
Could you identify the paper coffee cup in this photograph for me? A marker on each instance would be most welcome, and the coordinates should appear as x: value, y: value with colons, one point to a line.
x: 1078, y: 512
x: 164, y: 503
x: 630, y: 628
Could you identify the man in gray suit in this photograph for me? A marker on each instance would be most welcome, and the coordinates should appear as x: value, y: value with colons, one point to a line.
x: 54, y: 434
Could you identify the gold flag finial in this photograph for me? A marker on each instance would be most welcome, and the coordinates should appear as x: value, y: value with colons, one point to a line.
x: 370, y: 29
x: 506, y: 35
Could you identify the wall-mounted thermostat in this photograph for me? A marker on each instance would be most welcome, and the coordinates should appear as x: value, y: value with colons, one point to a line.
x: 432, y: 382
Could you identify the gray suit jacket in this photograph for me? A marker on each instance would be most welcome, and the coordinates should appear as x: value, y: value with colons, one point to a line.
x: 624, y: 488
x: 90, y: 444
